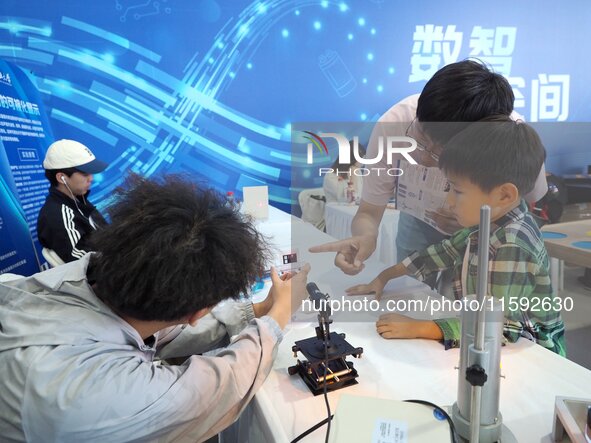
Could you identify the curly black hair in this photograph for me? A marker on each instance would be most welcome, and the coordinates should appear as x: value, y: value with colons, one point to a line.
x: 173, y: 247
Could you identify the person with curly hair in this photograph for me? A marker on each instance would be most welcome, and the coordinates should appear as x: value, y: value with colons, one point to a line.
x: 80, y: 344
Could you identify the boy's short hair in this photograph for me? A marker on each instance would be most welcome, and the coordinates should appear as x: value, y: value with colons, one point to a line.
x: 466, y: 91
x: 172, y: 249
x: 494, y: 151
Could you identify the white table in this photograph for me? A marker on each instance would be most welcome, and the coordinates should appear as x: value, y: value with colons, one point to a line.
x: 277, y: 227
x: 339, y: 216
x: 403, y: 369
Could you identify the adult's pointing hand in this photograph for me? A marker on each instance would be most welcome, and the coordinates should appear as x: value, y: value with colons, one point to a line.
x: 351, y: 252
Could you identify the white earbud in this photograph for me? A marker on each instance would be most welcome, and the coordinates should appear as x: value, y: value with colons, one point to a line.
x: 63, y: 179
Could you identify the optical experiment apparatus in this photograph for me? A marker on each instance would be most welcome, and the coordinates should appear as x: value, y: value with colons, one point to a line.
x: 325, y: 365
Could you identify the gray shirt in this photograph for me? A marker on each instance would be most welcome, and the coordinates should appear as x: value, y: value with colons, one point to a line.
x: 72, y: 370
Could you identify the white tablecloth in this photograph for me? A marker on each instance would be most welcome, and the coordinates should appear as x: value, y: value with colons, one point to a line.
x: 338, y: 219
x: 403, y: 369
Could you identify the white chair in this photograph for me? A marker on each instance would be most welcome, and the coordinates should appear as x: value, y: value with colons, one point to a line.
x: 312, y: 202
x: 52, y: 258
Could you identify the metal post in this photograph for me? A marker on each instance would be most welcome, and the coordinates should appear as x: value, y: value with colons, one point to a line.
x: 483, y: 245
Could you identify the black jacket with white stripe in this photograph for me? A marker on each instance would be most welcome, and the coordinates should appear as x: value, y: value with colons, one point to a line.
x: 65, y: 228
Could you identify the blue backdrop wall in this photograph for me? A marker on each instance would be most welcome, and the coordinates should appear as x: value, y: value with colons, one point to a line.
x: 210, y: 87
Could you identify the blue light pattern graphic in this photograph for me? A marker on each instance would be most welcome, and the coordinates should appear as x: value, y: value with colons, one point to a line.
x: 210, y: 88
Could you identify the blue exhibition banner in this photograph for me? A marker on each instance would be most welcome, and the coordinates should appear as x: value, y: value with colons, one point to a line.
x: 214, y: 86
x: 17, y: 254
x: 24, y: 136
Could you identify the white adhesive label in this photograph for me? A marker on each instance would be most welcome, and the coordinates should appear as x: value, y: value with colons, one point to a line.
x: 390, y: 431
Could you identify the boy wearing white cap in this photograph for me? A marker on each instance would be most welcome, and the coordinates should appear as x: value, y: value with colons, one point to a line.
x: 67, y: 218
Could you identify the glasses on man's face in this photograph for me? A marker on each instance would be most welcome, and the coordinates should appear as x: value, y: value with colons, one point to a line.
x: 420, y: 146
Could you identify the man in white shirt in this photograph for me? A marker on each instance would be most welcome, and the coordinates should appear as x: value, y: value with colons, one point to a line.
x: 461, y: 92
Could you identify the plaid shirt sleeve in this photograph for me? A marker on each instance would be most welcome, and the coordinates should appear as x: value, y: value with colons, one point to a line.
x: 516, y: 277
x: 444, y: 255
x: 437, y: 257
x: 451, y: 329
x: 521, y: 280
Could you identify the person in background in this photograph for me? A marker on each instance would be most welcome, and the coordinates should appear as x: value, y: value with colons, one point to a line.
x: 343, y: 179
x: 81, y: 343
x: 67, y: 219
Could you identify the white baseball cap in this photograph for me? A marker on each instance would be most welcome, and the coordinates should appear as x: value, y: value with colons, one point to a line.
x: 64, y: 154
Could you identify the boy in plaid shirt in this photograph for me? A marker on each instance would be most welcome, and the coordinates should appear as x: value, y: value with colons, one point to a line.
x: 493, y: 162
